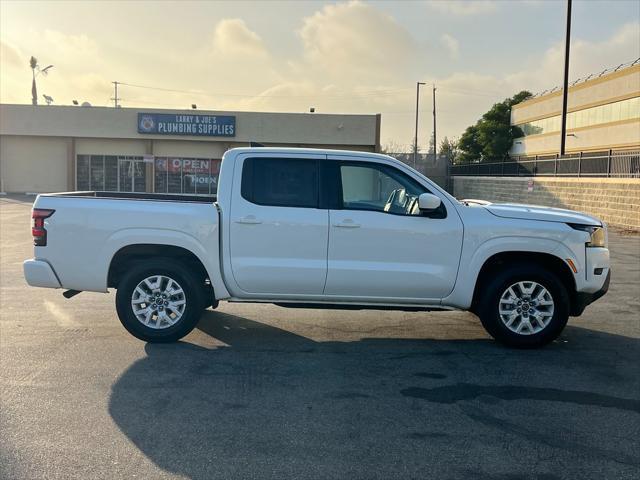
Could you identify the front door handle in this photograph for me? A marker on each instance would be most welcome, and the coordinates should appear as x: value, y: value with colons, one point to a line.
x: 347, y: 223
x: 249, y: 220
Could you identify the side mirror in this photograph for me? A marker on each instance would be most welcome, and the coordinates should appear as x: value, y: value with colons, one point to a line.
x: 428, y: 202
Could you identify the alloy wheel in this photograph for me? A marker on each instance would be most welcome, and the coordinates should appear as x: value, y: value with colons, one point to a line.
x: 526, y: 308
x: 158, y: 302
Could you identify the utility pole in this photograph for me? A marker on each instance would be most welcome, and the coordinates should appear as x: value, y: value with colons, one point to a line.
x: 435, y: 143
x: 565, y: 86
x: 115, y: 98
x: 415, y: 139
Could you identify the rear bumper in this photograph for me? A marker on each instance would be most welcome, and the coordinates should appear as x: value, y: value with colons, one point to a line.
x: 583, y: 299
x: 39, y: 273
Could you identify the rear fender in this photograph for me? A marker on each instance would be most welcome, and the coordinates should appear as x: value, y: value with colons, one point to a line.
x: 132, y: 236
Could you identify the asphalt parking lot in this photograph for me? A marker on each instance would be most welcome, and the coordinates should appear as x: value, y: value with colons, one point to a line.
x: 266, y: 392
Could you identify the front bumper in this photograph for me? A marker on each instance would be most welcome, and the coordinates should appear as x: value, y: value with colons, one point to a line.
x: 583, y: 299
x: 39, y: 273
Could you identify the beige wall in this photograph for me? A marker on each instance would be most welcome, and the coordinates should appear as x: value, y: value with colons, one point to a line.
x: 104, y: 122
x: 33, y: 164
x: 171, y: 148
x: 615, y: 201
x: 101, y: 146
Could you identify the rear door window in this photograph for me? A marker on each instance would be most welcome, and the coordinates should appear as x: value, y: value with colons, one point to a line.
x: 281, y: 182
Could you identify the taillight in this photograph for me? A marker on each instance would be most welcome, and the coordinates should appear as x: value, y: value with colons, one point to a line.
x: 37, y: 226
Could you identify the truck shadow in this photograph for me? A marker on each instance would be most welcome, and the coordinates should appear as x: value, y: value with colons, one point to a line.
x: 273, y: 404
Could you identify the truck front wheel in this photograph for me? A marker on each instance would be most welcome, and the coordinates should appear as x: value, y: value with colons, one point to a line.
x: 524, y: 306
x: 159, y: 300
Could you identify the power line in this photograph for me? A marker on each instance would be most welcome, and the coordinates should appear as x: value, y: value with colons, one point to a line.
x: 471, y: 92
x: 366, y: 94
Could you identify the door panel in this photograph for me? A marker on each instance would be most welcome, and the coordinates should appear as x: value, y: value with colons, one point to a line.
x: 380, y: 245
x: 374, y: 254
x: 278, y: 249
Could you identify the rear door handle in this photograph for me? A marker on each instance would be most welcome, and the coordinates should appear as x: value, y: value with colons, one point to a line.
x: 348, y: 223
x: 249, y: 220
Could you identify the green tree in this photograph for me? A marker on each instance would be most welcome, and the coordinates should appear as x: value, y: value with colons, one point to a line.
x: 492, y: 136
x: 449, y: 148
x: 431, y: 148
x: 469, y: 145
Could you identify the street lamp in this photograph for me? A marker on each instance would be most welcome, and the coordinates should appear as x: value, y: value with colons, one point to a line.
x: 565, y: 86
x: 415, y: 139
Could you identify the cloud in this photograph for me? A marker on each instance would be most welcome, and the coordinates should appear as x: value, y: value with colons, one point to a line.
x: 93, y: 84
x: 461, y: 7
x: 586, y: 57
x: 356, y: 40
x: 70, y: 47
x: 11, y: 56
x: 286, y: 96
x: 232, y: 37
x: 464, y: 96
x: 451, y: 44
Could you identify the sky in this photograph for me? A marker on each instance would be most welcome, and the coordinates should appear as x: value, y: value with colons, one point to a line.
x: 339, y: 57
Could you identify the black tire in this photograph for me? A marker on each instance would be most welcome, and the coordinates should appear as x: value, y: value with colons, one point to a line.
x: 489, y: 303
x: 193, y: 295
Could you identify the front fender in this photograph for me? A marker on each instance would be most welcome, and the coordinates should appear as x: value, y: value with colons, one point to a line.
x: 462, y: 294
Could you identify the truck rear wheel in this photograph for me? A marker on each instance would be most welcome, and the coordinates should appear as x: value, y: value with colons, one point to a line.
x: 524, y: 306
x: 159, y: 300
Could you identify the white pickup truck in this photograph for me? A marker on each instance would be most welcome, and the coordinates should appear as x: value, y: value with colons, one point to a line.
x: 321, y: 229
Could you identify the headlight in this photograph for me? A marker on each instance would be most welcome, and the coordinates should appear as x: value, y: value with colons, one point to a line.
x: 598, y: 234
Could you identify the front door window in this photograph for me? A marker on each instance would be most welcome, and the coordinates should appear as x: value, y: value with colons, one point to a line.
x: 379, y: 189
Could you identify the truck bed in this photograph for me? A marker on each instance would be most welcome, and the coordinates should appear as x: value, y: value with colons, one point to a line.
x: 86, y: 230
x: 164, y: 197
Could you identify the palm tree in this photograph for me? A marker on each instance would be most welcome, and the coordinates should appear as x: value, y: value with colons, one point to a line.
x: 36, y: 70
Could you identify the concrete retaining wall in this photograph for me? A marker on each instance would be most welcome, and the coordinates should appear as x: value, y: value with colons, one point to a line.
x: 615, y: 201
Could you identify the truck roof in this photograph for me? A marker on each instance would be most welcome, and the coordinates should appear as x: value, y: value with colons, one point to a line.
x: 317, y: 151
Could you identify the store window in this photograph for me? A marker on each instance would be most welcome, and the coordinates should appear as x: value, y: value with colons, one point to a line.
x: 110, y: 173
x: 129, y: 174
x: 186, y: 175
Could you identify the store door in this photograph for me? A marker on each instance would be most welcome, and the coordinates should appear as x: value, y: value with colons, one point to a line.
x: 132, y: 175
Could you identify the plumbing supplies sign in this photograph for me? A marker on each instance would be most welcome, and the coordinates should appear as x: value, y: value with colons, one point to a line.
x: 187, y: 124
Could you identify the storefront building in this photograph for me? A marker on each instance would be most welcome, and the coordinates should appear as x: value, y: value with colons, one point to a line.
x: 61, y: 148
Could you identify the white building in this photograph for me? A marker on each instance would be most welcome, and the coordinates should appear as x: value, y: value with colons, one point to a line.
x: 603, y: 114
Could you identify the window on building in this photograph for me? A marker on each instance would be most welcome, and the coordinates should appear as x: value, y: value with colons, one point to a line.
x: 83, y: 181
x: 129, y: 174
x: 186, y: 175
x: 281, y: 182
x: 611, y: 112
x: 110, y: 173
